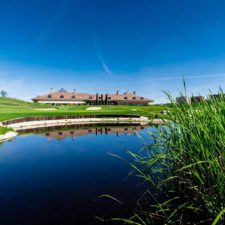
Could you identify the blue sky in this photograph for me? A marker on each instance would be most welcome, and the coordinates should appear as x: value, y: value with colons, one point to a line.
x: 104, y: 46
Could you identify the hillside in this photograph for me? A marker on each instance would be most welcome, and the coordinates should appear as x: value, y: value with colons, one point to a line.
x: 13, y: 103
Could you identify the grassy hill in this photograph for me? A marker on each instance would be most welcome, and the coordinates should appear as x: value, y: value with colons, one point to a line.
x: 11, y: 108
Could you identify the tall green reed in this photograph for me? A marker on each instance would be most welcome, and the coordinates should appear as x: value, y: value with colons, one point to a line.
x: 186, y: 167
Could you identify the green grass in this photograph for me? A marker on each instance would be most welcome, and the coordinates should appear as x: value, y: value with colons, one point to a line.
x: 14, y: 108
x: 186, y: 167
x: 4, y: 130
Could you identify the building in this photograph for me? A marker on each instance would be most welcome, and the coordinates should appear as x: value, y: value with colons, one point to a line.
x: 183, y: 99
x: 189, y: 100
x: 219, y: 96
x: 197, y: 99
x: 63, y: 97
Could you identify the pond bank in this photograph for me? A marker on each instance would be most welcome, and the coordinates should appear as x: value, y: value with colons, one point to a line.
x: 37, y: 122
x: 8, y: 136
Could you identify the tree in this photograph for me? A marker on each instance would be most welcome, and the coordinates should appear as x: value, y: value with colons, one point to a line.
x: 106, y: 99
x: 3, y: 93
x: 97, y: 99
x: 102, y: 100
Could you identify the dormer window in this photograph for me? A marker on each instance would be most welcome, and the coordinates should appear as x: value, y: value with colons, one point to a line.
x: 142, y: 98
x: 49, y: 96
x: 73, y: 96
x: 62, y: 96
x: 90, y: 97
x: 125, y: 97
x: 134, y: 98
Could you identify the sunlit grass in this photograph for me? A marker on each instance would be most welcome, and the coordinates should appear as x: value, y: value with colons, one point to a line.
x: 14, y: 108
x: 4, y: 130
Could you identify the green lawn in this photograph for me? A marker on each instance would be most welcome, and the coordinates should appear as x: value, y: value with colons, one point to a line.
x: 14, y: 108
x: 4, y: 130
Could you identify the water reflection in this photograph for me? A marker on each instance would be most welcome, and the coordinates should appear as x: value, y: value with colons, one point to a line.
x: 73, y: 131
x: 53, y: 175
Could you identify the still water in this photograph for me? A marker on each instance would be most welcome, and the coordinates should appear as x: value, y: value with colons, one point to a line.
x: 53, y: 177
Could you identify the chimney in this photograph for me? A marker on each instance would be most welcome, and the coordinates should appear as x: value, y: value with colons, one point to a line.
x: 134, y: 92
x: 117, y: 92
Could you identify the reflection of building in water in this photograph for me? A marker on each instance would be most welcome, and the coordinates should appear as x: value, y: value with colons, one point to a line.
x: 59, y: 135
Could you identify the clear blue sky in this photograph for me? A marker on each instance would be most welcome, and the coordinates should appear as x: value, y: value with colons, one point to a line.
x: 105, y: 45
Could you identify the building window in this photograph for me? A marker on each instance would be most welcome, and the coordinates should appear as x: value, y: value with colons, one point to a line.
x: 90, y: 97
x: 73, y: 96
x: 134, y: 98
x: 109, y: 98
x: 49, y: 96
x: 99, y: 98
x: 125, y: 97
x: 62, y: 96
x: 142, y: 98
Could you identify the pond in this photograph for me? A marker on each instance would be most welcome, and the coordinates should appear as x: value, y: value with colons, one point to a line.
x: 54, y: 176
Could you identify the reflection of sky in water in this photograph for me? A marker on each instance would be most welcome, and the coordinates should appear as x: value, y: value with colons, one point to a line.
x: 55, y: 182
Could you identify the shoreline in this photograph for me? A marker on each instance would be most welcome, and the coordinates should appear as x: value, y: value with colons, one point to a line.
x: 61, y: 122
x: 48, y: 123
x: 8, y: 136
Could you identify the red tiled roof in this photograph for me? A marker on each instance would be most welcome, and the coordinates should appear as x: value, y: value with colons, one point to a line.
x: 127, y: 96
x: 69, y: 96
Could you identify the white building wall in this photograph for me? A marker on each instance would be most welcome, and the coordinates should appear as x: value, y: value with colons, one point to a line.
x: 63, y: 102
